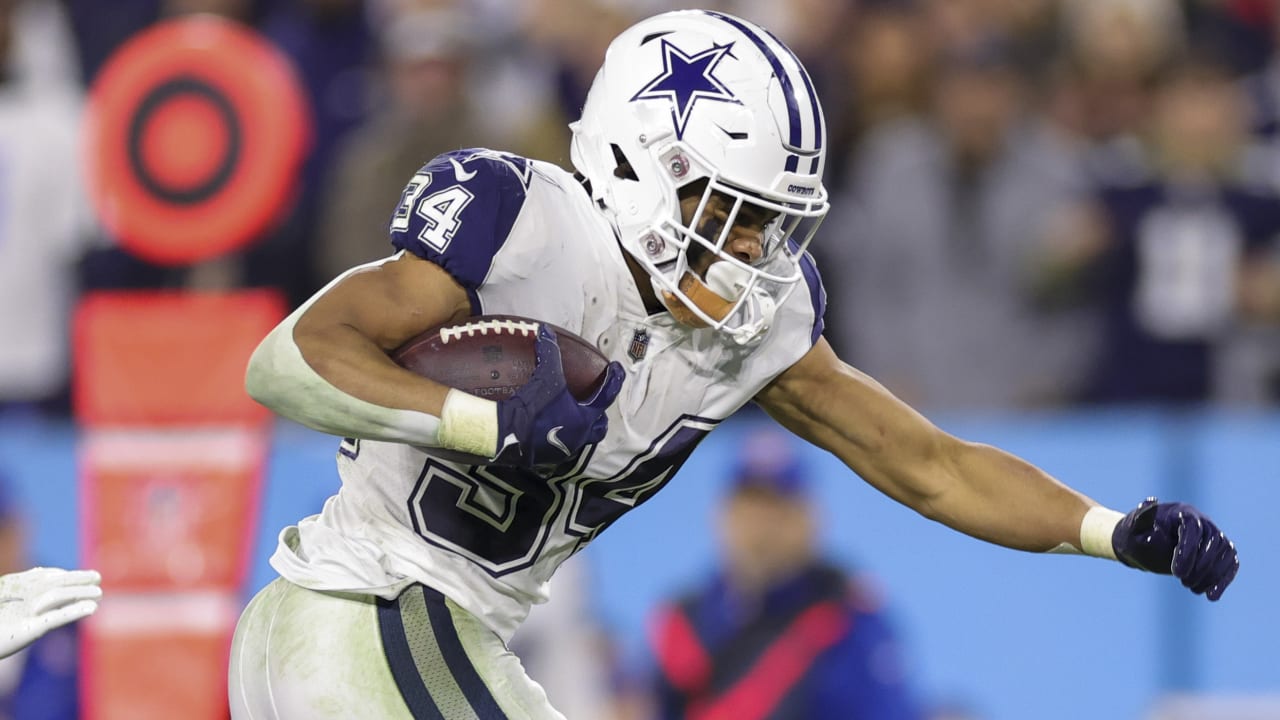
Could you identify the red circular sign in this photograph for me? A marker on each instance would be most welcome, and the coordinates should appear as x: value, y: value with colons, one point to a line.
x: 196, y: 129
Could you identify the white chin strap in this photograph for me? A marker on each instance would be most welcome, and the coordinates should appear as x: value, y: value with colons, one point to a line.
x: 749, y: 323
x: 756, y: 315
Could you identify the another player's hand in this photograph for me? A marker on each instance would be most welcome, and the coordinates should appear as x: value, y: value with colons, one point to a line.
x: 1177, y: 539
x: 543, y: 424
x: 35, y: 601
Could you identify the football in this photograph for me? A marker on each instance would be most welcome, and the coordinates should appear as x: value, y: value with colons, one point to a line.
x: 491, y: 356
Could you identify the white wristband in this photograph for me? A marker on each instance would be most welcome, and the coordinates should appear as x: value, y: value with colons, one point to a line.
x: 1096, y: 530
x: 469, y: 424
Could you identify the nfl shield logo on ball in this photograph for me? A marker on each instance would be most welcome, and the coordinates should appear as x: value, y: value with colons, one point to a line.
x: 639, y: 345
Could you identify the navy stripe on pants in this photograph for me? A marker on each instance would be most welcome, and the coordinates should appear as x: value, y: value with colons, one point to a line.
x: 419, y: 640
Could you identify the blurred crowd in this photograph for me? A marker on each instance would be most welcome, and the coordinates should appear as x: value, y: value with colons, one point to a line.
x: 1036, y: 203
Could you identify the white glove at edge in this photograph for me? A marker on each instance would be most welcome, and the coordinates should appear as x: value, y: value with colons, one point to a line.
x: 35, y: 601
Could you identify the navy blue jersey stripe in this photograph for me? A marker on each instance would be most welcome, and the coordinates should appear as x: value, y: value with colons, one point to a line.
x: 808, y: 86
x: 395, y: 646
x: 788, y: 90
x: 817, y: 293
x: 464, y: 673
x: 460, y: 212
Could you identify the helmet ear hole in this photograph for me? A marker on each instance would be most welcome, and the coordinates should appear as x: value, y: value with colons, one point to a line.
x: 624, y: 170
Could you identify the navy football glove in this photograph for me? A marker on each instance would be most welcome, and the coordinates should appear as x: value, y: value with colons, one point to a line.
x: 543, y: 424
x: 1177, y: 539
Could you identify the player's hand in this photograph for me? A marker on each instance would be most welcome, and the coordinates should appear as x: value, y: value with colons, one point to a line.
x: 1177, y: 539
x: 35, y: 601
x: 543, y: 424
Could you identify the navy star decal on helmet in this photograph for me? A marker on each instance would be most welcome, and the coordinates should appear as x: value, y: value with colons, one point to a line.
x: 686, y: 79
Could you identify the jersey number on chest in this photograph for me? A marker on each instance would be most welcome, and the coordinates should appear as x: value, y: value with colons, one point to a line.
x: 502, y: 518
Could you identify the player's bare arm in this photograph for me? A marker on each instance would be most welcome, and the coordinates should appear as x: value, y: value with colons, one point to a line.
x: 347, y: 333
x: 983, y: 491
x: 326, y: 365
x: 974, y: 488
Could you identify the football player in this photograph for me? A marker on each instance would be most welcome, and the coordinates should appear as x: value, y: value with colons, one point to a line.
x: 678, y: 248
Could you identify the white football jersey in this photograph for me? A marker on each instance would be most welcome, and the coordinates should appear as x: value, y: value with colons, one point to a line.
x: 524, y: 239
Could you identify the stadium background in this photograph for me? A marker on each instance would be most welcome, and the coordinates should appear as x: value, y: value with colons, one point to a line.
x: 1091, y: 95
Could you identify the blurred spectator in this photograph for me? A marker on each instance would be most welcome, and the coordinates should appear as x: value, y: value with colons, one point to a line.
x: 42, y: 217
x: 1184, y: 256
x: 425, y: 54
x: 937, y: 243
x: 1026, y: 27
x: 1113, y: 55
x: 964, y: 129
x: 44, y: 52
x: 889, y: 64
x: 777, y: 631
x: 40, y: 682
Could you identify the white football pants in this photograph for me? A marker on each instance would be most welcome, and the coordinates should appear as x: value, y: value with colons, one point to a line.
x: 299, y: 654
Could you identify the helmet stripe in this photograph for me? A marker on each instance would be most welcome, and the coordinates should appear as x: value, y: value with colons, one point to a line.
x: 788, y: 88
x: 808, y: 86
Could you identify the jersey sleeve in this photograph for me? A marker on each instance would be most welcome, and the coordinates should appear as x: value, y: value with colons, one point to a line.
x: 458, y: 210
x: 797, y: 327
x: 817, y: 295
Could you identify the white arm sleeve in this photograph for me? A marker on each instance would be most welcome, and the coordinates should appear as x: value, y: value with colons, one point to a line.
x: 280, y: 378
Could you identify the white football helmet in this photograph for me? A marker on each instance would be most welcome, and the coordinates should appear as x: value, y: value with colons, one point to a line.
x: 693, y: 96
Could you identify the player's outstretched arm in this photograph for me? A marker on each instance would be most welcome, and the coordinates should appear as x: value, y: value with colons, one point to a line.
x: 981, y: 490
x: 35, y: 601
